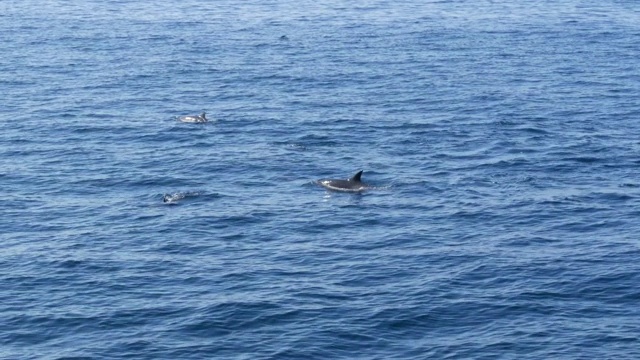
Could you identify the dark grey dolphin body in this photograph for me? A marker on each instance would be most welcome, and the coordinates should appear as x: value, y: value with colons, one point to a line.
x: 353, y: 184
x: 194, y: 118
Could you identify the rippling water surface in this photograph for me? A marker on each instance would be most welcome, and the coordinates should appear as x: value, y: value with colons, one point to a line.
x: 501, y: 139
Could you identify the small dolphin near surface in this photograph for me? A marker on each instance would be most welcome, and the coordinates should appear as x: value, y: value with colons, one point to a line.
x: 354, y: 184
x: 178, y: 197
x: 194, y: 118
x: 173, y: 198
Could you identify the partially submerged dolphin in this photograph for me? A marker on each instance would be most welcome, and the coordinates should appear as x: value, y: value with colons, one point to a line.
x: 353, y: 184
x: 172, y: 198
x: 194, y: 118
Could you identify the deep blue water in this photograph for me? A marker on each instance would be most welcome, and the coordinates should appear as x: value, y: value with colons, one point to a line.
x: 502, y: 139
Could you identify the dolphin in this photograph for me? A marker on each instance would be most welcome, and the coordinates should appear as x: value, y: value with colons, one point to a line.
x: 194, y: 118
x: 172, y: 198
x: 354, y: 184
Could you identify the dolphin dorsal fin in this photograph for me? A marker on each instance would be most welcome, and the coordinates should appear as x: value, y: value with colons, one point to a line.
x: 357, y: 176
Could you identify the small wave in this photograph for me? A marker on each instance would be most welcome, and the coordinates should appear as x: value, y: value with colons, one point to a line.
x: 292, y: 146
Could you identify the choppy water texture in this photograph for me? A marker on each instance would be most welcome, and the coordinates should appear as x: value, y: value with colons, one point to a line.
x: 501, y: 139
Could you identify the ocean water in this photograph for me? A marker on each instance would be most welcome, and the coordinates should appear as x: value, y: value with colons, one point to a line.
x: 501, y: 140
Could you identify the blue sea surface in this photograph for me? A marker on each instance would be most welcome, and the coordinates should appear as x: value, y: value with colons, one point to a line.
x: 501, y: 141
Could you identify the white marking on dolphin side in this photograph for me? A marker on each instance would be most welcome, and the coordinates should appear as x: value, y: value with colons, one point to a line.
x: 202, y: 118
x: 353, y: 184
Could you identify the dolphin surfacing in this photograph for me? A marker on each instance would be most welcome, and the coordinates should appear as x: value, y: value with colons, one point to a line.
x: 353, y: 184
x: 202, y: 118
